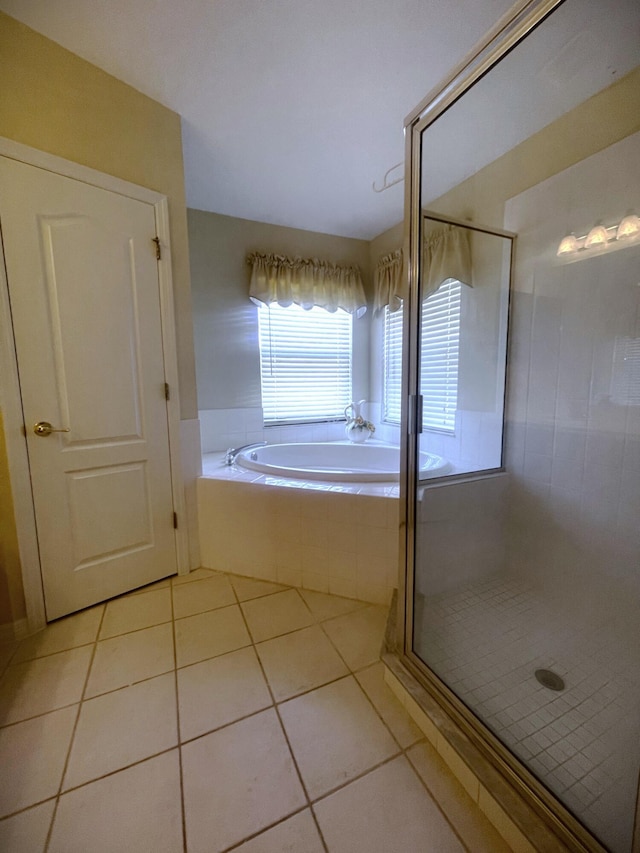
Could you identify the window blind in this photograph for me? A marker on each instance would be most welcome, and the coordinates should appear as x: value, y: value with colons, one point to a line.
x: 392, y: 392
x: 305, y: 363
x: 440, y: 346
x: 439, y: 353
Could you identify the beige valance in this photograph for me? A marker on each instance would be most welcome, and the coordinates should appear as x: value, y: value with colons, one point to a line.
x: 306, y: 282
x: 446, y: 253
x: 390, y: 281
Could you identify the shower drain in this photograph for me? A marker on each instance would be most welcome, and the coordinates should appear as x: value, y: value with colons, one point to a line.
x: 549, y: 679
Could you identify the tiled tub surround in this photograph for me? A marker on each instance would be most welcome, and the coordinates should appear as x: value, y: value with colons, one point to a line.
x: 214, y: 713
x: 327, y: 537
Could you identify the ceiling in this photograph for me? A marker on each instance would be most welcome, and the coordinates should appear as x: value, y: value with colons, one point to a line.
x: 290, y: 108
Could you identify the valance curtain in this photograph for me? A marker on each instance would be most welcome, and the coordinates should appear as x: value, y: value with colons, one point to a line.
x: 307, y: 282
x: 390, y: 281
x: 446, y: 253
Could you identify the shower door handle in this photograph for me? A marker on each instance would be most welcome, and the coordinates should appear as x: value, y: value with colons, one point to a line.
x: 415, y: 413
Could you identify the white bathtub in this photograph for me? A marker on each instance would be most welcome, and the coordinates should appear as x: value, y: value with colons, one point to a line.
x: 339, y: 461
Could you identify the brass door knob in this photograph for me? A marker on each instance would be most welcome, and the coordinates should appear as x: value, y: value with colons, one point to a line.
x: 44, y: 428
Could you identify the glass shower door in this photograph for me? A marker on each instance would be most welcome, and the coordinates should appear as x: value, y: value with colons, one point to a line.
x: 524, y: 557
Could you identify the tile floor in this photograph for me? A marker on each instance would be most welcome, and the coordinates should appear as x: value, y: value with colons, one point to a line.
x: 486, y: 639
x: 214, y: 713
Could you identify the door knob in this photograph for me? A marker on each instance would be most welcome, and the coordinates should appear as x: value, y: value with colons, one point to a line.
x: 44, y: 428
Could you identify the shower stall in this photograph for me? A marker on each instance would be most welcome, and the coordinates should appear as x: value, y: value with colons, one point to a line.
x: 520, y: 609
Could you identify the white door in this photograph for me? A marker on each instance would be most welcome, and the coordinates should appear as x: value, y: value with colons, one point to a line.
x: 83, y: 286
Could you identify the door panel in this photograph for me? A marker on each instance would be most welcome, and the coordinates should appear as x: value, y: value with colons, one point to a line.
x: 83, y: 285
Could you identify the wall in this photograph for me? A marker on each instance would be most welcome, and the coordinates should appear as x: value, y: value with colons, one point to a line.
x: 573, y: 417
x: 52, y: 100
x: 226, y: 323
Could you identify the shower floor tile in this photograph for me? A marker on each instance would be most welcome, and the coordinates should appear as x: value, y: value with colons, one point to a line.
x: 487, y: 639
x: 259, y: 745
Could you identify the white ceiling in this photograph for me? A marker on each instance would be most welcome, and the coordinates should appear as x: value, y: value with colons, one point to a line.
x: 290, y: 108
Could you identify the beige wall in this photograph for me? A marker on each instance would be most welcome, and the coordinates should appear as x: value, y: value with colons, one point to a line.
x: 225, y: 321
x: 601, y: 120
x: 52, y: 100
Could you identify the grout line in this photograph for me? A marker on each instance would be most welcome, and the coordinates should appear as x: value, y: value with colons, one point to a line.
x: 178, y: 732
x: 284, y: 733
x: 253, y: 835
x: 73, y: 732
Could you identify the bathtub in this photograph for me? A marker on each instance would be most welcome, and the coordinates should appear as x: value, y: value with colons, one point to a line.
x: 336, y: 461
x: 323, y: 516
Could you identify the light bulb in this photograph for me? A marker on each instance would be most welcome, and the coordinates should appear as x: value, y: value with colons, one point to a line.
x: 568, y: 245
x: 596, y: 238
x: 629, y: 227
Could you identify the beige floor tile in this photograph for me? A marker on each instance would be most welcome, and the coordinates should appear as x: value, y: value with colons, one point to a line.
x: 7, y: 651
x: 358, y: 636
x: 134, y: 612
x: 247, y: 588
x: 388, y: 705
x: 299, y: 662
x: 151, y: 587
x: 32, y: 757
x: 464, y: 815
x: 123, y: 727
x: 386, y: 810
x: 219, y: 691
x: 276, y: 614
x: 41, y: 685
x: 124, y: 660
x: 196, y: 597
x: 134, y: 809
x: 238, y: 781
x: 68, y: 633
x: 207, y: 635
x: 297, y: 834
x: 27, y: 832
x: 328, y: 606
x: 195, y: 575
x: 335, y: 735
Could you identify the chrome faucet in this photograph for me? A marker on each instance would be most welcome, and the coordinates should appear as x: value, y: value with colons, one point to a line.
x: 232, y: 452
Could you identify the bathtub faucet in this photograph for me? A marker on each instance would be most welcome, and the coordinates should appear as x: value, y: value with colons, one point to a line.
x: 232, y: 452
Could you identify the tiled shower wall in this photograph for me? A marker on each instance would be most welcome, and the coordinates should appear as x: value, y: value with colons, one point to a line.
x: 573, y: 418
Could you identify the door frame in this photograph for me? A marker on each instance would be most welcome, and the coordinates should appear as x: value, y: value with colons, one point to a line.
x: 11, y: 400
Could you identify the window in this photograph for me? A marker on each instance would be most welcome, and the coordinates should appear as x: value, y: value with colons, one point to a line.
x: 305, y: 363
x: 438, y: 359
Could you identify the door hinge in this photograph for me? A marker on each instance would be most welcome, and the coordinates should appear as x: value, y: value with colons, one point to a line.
x: 156, y: 240
x: 167, y: 392
x: 175, y: 520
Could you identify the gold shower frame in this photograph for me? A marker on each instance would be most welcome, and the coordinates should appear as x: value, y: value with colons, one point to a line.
x: 514, y: 26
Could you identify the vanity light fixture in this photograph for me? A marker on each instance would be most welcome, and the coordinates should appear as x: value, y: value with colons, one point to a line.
x: 596, y: 238
x: 600, y: 239
x: 568, y: 245
x: 629, y: 227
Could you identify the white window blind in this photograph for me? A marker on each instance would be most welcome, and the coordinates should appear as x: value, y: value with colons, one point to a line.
x: 305, y: 363
x: 392, y: 365
x: 440, y: 346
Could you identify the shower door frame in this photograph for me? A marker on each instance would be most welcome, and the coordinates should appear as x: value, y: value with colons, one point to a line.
x: 521, y: 20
